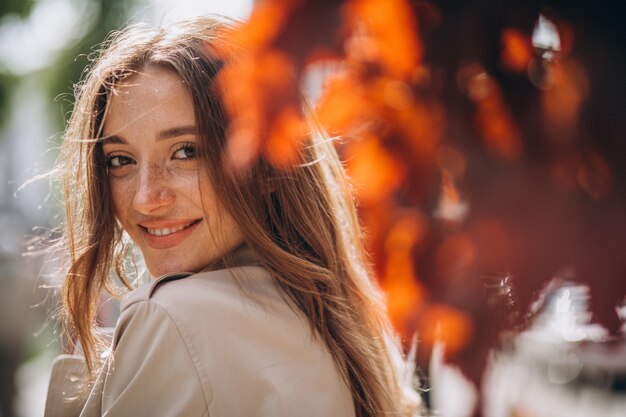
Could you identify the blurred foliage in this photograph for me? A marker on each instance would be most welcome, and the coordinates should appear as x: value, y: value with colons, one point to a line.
x: 7, y: 7
x: 20, y: 7
x: 484, y: 165
x: 7, y: 81
x: 70, y: 65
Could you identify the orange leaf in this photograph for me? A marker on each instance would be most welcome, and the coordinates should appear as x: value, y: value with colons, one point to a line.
x: 374, y: 171
x: 341, y: 104
x: 285, y: 138
x: 395, y: 46
x: 443, y: 323
x: 517, y: 50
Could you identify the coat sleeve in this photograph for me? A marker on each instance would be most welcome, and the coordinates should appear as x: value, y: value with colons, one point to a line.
x: 151, y: 371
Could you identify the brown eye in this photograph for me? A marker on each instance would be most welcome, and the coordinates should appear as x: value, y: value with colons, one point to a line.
x: 117, y: 161
x: 187, y: 151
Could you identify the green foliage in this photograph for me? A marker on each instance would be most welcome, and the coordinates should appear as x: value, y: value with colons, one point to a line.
x: 22, y: 8
x: 4, y: 95
x: 7, y: 81
x: 19, y: 7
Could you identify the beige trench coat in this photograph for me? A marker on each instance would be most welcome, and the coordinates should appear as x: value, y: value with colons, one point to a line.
x: 222, y: 343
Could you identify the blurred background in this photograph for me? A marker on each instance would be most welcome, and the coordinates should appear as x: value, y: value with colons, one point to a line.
x: 487, y: 147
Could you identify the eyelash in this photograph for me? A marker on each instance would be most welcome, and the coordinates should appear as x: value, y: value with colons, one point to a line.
x: 111, y: 158
x: 184, y: 146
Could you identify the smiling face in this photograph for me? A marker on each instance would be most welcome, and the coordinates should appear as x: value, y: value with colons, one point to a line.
x: 161, y: 192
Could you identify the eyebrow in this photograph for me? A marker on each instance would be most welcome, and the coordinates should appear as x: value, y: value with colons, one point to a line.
x: 163, y: 135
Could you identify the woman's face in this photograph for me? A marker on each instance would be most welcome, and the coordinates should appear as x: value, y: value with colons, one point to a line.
x: 162, y: 195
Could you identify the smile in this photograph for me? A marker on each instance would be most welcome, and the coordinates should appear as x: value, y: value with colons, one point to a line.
x: 170, y: 236
x: 167, y: 231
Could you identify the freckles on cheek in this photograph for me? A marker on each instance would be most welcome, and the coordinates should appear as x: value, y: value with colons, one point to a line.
x: 121, y: 196
x: 187, y: 178
x: 189, y: 185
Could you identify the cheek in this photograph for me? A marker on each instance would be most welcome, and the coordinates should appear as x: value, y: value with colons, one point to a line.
x: 225, y: 229
x: 185, y: 173
x: 121, y: 194
x: 207, y: 197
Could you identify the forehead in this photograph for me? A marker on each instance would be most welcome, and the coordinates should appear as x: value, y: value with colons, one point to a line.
x: 149, y: 79
x: 150, y: 97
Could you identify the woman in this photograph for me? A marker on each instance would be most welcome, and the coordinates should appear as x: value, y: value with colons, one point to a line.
x: 264, y: 304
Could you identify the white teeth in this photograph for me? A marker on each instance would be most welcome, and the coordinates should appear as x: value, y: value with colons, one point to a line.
x: 166, y: 231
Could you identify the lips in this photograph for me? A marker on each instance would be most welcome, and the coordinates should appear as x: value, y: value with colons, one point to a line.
x: 164, y: 235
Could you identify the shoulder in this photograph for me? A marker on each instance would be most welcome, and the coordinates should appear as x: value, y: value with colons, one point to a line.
x: 236, y: 327
x: 150, y: 356
x: 208, y: 301
x: 199, y: 319
x: 172, y: 286
x: 145, y: 291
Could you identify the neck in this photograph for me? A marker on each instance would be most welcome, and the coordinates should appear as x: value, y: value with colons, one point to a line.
x: 241, y: 255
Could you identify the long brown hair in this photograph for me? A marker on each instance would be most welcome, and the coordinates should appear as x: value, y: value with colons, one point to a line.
x: 302, y: 225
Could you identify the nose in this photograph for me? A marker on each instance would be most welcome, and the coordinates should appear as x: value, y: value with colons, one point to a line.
x: 153, y: 193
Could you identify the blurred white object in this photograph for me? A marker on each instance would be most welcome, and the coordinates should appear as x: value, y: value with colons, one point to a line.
x: 546, y: 37
x: 452, y: 394
x: 562, y: 366
x: 168, y: 11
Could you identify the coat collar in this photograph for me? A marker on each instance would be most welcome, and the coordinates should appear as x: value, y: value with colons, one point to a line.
x: 241, y: 256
